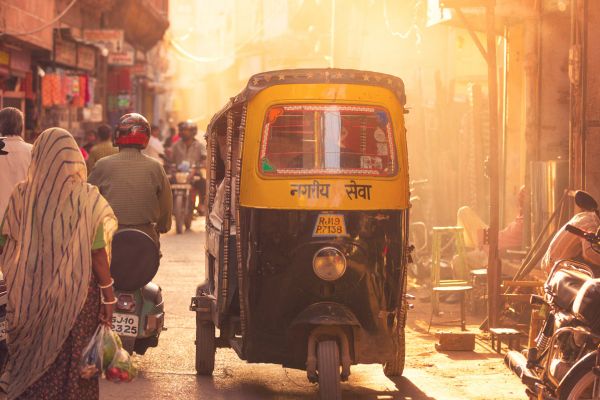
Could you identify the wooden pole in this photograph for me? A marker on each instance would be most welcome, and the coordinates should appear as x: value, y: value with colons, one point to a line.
x: 494, y: 273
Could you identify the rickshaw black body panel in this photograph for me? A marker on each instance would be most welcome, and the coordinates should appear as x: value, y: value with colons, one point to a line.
x: 326, y: 313
x: 292, y: 299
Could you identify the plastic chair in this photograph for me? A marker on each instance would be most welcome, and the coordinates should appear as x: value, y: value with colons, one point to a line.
x: 461, y: 270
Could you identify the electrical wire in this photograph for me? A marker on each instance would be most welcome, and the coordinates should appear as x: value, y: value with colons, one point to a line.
x: 41, y: 28
x: 202, y: 59
x: 402, y: 35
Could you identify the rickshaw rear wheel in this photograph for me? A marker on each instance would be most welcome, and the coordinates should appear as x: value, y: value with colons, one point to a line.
x: 395, y: 366
x: 205, y: 346
x: 328, y: 366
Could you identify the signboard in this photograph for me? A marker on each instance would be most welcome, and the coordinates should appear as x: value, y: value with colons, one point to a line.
x: 20, y: 60
x: 93, y: 113
x: 139, y: 70
x: 86, y: 57
x: 65, y: 52
x: 4, y: 58
x: 124, y: 58
x: 110, y: 39
x: 4, y: 62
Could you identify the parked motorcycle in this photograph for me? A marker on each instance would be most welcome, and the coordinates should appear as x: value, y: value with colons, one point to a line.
x: 183, y: 203
x: 139, y: 313
x: 564, y: 364
x: 3, y: 302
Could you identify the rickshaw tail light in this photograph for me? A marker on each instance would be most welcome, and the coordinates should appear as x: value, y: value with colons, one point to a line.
x: 329, y: 264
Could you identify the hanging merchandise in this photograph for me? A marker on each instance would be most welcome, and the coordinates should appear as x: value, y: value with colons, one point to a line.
x: 56, y: 88
x: 65, y: 84
x: 47, y: 99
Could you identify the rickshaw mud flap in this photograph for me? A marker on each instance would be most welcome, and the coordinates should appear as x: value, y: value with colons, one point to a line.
x: 204, y: 306
x: 327, y: 332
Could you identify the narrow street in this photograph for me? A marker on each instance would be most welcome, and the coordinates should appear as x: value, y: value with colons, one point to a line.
x: 167, y: 372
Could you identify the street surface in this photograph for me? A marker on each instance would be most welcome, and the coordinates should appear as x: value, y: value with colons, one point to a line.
x: 167, y: 372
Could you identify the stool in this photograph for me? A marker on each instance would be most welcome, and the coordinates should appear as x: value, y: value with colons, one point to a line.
x: 511, y: 336
x: 479, y: 295
x: 461, y: 291
x: 461, y: 272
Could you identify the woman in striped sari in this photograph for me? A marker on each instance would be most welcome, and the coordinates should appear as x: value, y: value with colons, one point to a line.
x: 53, y: 242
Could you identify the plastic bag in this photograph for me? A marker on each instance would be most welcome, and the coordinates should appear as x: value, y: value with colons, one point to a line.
x: 121, y: 369
x: 90, y: 364
x: 105, y: 353
x: 111, y: 342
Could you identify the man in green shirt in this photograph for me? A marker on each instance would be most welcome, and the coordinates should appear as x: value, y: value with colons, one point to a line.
x: 135, y: 185
x: 102, y: 149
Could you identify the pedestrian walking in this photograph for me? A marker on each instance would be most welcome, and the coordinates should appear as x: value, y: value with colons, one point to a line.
x: 103, y: 148
x: 155, y: 148
x: 13, y: 164
x: 53, y: 254
x: 90, y: 141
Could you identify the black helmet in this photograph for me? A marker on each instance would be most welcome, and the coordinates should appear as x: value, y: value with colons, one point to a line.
x: 132, y: 130
x: 188, y: 125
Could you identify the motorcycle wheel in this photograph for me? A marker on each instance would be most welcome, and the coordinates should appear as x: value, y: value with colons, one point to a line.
x: 579, y: 385
x: 189, y: 213
x: 179, y: 212
x: 328, y: 365
x: 205, y: 347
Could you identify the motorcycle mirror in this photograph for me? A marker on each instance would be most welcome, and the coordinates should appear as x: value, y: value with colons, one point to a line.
x: 585, y: 201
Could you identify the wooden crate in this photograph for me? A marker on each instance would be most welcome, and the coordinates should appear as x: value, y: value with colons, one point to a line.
x: 455, y: 341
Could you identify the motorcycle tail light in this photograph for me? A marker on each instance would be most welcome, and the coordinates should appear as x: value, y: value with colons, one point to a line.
x: 154, y: 322
x: 181, y: 177
x: 126, y: 302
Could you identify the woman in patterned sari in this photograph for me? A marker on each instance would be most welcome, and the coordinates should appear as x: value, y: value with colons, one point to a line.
x: 53, y: 243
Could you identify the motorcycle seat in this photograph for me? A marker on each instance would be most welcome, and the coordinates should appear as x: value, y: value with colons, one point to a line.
x: 564, y: 286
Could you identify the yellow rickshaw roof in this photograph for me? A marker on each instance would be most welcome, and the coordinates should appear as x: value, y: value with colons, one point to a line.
x: 263, y: 80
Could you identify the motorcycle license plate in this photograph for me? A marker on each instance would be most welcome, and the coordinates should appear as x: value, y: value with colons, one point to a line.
x: 330, y: 225
x: 180, y: 186
x: 125, y: 324
x: 3, y: 330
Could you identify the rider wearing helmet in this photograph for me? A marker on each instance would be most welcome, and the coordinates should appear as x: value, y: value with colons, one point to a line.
x: 135, y: 185
x: 188, y: 150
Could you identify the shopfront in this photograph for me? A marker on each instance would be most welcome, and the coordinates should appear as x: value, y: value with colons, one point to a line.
x: 68, y: 86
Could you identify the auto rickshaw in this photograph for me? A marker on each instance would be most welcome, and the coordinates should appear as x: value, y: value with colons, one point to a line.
x: 307, y: 226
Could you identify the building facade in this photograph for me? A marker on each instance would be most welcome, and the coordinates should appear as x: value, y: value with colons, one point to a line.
x: 79, y: 63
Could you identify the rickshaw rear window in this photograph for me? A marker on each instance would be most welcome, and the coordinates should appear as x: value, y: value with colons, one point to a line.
x: 306, y: 139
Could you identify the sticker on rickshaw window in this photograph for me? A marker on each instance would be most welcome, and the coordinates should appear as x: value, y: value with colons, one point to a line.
x: 330, y: 225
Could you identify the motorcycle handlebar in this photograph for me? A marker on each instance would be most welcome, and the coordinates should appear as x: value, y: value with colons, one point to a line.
x: 576, y: 231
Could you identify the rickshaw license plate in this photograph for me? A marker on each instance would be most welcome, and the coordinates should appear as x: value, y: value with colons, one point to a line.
x: 330, y: 225
x: 125, y: 324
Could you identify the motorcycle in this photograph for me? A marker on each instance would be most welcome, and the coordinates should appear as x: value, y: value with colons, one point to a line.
x: 181, y: 184
x: 564, y: 364
x: 139, y: 314
x: 3, y: 323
